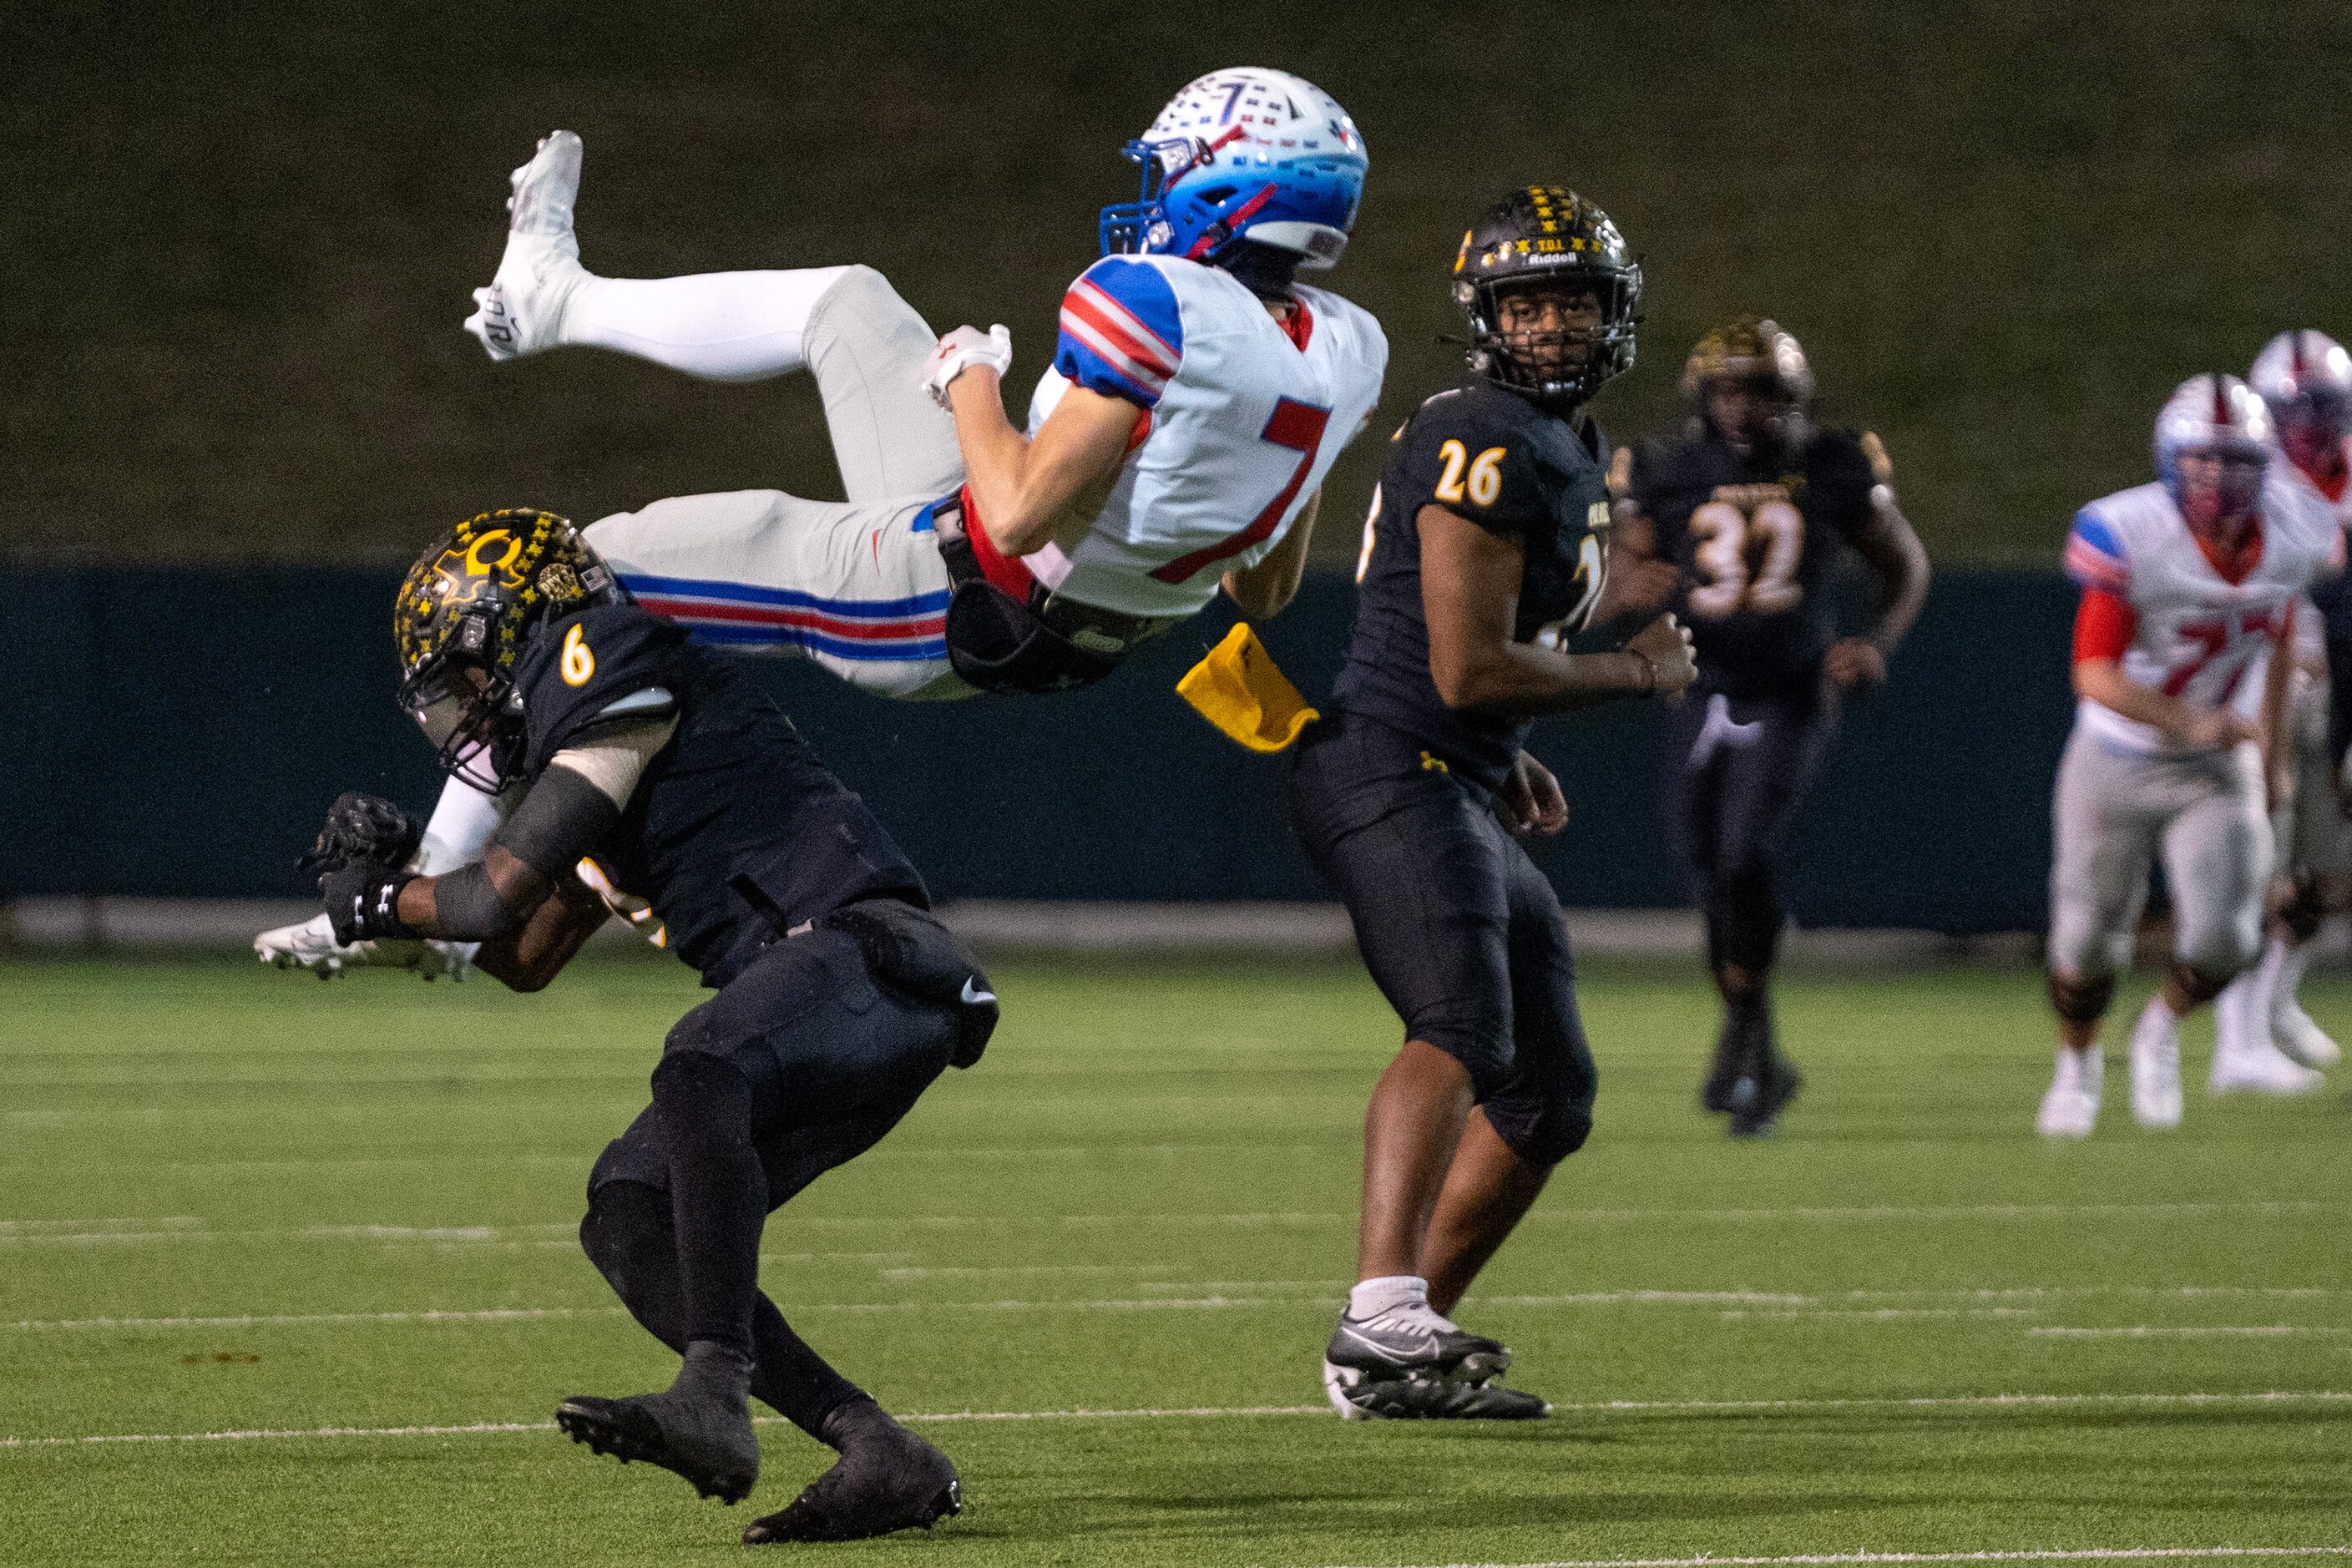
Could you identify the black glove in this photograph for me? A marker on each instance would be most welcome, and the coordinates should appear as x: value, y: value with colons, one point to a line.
x: 363, y: 902
x: 363, y: 830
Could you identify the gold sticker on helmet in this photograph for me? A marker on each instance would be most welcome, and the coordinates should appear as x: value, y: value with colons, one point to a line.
x: 558, y: 582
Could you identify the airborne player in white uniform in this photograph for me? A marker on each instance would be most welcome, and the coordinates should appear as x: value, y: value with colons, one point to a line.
x: 2186, y: 585
x: 1178, y: 443
x: 2267, y: 1043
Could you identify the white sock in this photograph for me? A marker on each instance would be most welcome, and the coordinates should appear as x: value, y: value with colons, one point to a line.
x: 721, y: 326
x: 2084, y: 1069
x: 1370, y: 1297
x: 459, y: 828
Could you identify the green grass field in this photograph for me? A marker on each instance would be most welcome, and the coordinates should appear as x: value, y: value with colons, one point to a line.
x: 287, y: 1275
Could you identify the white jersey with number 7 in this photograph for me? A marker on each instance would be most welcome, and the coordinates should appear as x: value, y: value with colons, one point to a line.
x: 2197, y: 635
x: 1242, y: 417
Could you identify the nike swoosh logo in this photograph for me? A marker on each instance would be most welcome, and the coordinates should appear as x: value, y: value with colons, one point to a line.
x: 974, y: 996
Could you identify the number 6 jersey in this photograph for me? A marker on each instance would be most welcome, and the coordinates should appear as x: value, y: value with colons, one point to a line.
x: 1753, y: 539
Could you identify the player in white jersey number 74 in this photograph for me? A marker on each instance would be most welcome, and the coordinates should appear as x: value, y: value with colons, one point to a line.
x: 2188, y: 587
x: 1198, y: 395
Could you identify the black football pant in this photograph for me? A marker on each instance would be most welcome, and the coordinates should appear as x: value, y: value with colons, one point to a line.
x: 1736, y: 769
x: 798, y: 1065
x: 1460, y: 930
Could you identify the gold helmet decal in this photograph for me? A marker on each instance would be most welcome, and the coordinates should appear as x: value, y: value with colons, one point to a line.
x: 479, y: 587
x: 1749, y: 349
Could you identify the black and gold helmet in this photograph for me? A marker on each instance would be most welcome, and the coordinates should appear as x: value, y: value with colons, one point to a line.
x: 464, y: 613
x: 1547, y: 236
x: 1753, y: 351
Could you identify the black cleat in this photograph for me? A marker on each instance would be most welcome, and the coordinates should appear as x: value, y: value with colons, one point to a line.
x: 1715, y: 1093
x: 699, y: 1427
x: 1358, y: 1396
x: 1413, y: 1341
x: 887, y: 1478
x: 1768, y: 1094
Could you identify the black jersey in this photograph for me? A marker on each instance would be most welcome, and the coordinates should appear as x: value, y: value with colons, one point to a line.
x: 1754, y: 540
x: 737, y: 830
x: 1500, y: 460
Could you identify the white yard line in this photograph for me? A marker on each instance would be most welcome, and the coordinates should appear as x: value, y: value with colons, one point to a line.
x: 2186, y: 1331
x: 1234, y: 1296
x: 182, y: 1228
x: 1842, y: 1559
x: 1880, y: 1315
x: 1215, y: 1412
x: 281, y: 1319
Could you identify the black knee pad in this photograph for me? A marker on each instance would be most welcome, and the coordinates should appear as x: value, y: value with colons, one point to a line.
x: 2199, y: 986
x: 1541, y: 1133
x: 2081, y: 1001
x: 1484, y: 1054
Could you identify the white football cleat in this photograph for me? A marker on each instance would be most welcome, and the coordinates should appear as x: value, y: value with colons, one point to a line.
x: 311, y: 946
x: 522, y: 312
x: 2070, y: 1109
x: 2299, y: 1039
x: 2156, y: 1068
x: 2260, y: 1067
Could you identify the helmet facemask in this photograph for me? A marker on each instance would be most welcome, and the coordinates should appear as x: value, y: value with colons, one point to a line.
x: 2312, y: 427
x: 1557, y: 337
x: 467, y: 714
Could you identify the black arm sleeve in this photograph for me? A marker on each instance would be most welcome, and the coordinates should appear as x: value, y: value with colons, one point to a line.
x: 562, y: 817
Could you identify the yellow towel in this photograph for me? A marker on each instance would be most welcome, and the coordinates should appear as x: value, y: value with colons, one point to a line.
x: 1238, y: 688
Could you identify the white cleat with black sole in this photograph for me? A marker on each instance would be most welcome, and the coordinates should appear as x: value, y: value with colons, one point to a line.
x: 1410, y: 1363
x: 522, y: 312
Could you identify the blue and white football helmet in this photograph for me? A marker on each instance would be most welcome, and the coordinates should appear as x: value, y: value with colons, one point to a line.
x: 1244, y: 154
x: 2212, y: 413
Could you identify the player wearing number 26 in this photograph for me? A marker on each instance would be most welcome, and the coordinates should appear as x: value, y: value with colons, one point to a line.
x: 1483, y: 556
x: 1754, y: 503
x: 2188, y: 588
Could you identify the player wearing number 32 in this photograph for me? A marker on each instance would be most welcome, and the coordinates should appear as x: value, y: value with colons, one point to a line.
x: 1751, y: 502
x: 2189, y: 585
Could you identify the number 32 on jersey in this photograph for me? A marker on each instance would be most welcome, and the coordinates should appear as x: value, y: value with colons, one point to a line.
x: 1725, y: 529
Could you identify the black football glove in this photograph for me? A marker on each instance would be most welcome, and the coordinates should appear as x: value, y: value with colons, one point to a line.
x: 363, y: 830
x: 363, y: 902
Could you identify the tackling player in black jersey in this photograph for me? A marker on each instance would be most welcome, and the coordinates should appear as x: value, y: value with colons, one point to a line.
x: 1484, y: 552
x: 1751, y: 502
x: 839, y: 997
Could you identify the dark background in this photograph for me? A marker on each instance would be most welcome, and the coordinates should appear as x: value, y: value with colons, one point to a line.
x: 237, y: 241
x: 187, y: 726
x: 238, y: 238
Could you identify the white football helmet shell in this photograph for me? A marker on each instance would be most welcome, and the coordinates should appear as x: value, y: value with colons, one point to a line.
x: 2293, y: 365
x: 2211, y: 413
x: 1254, y: 118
